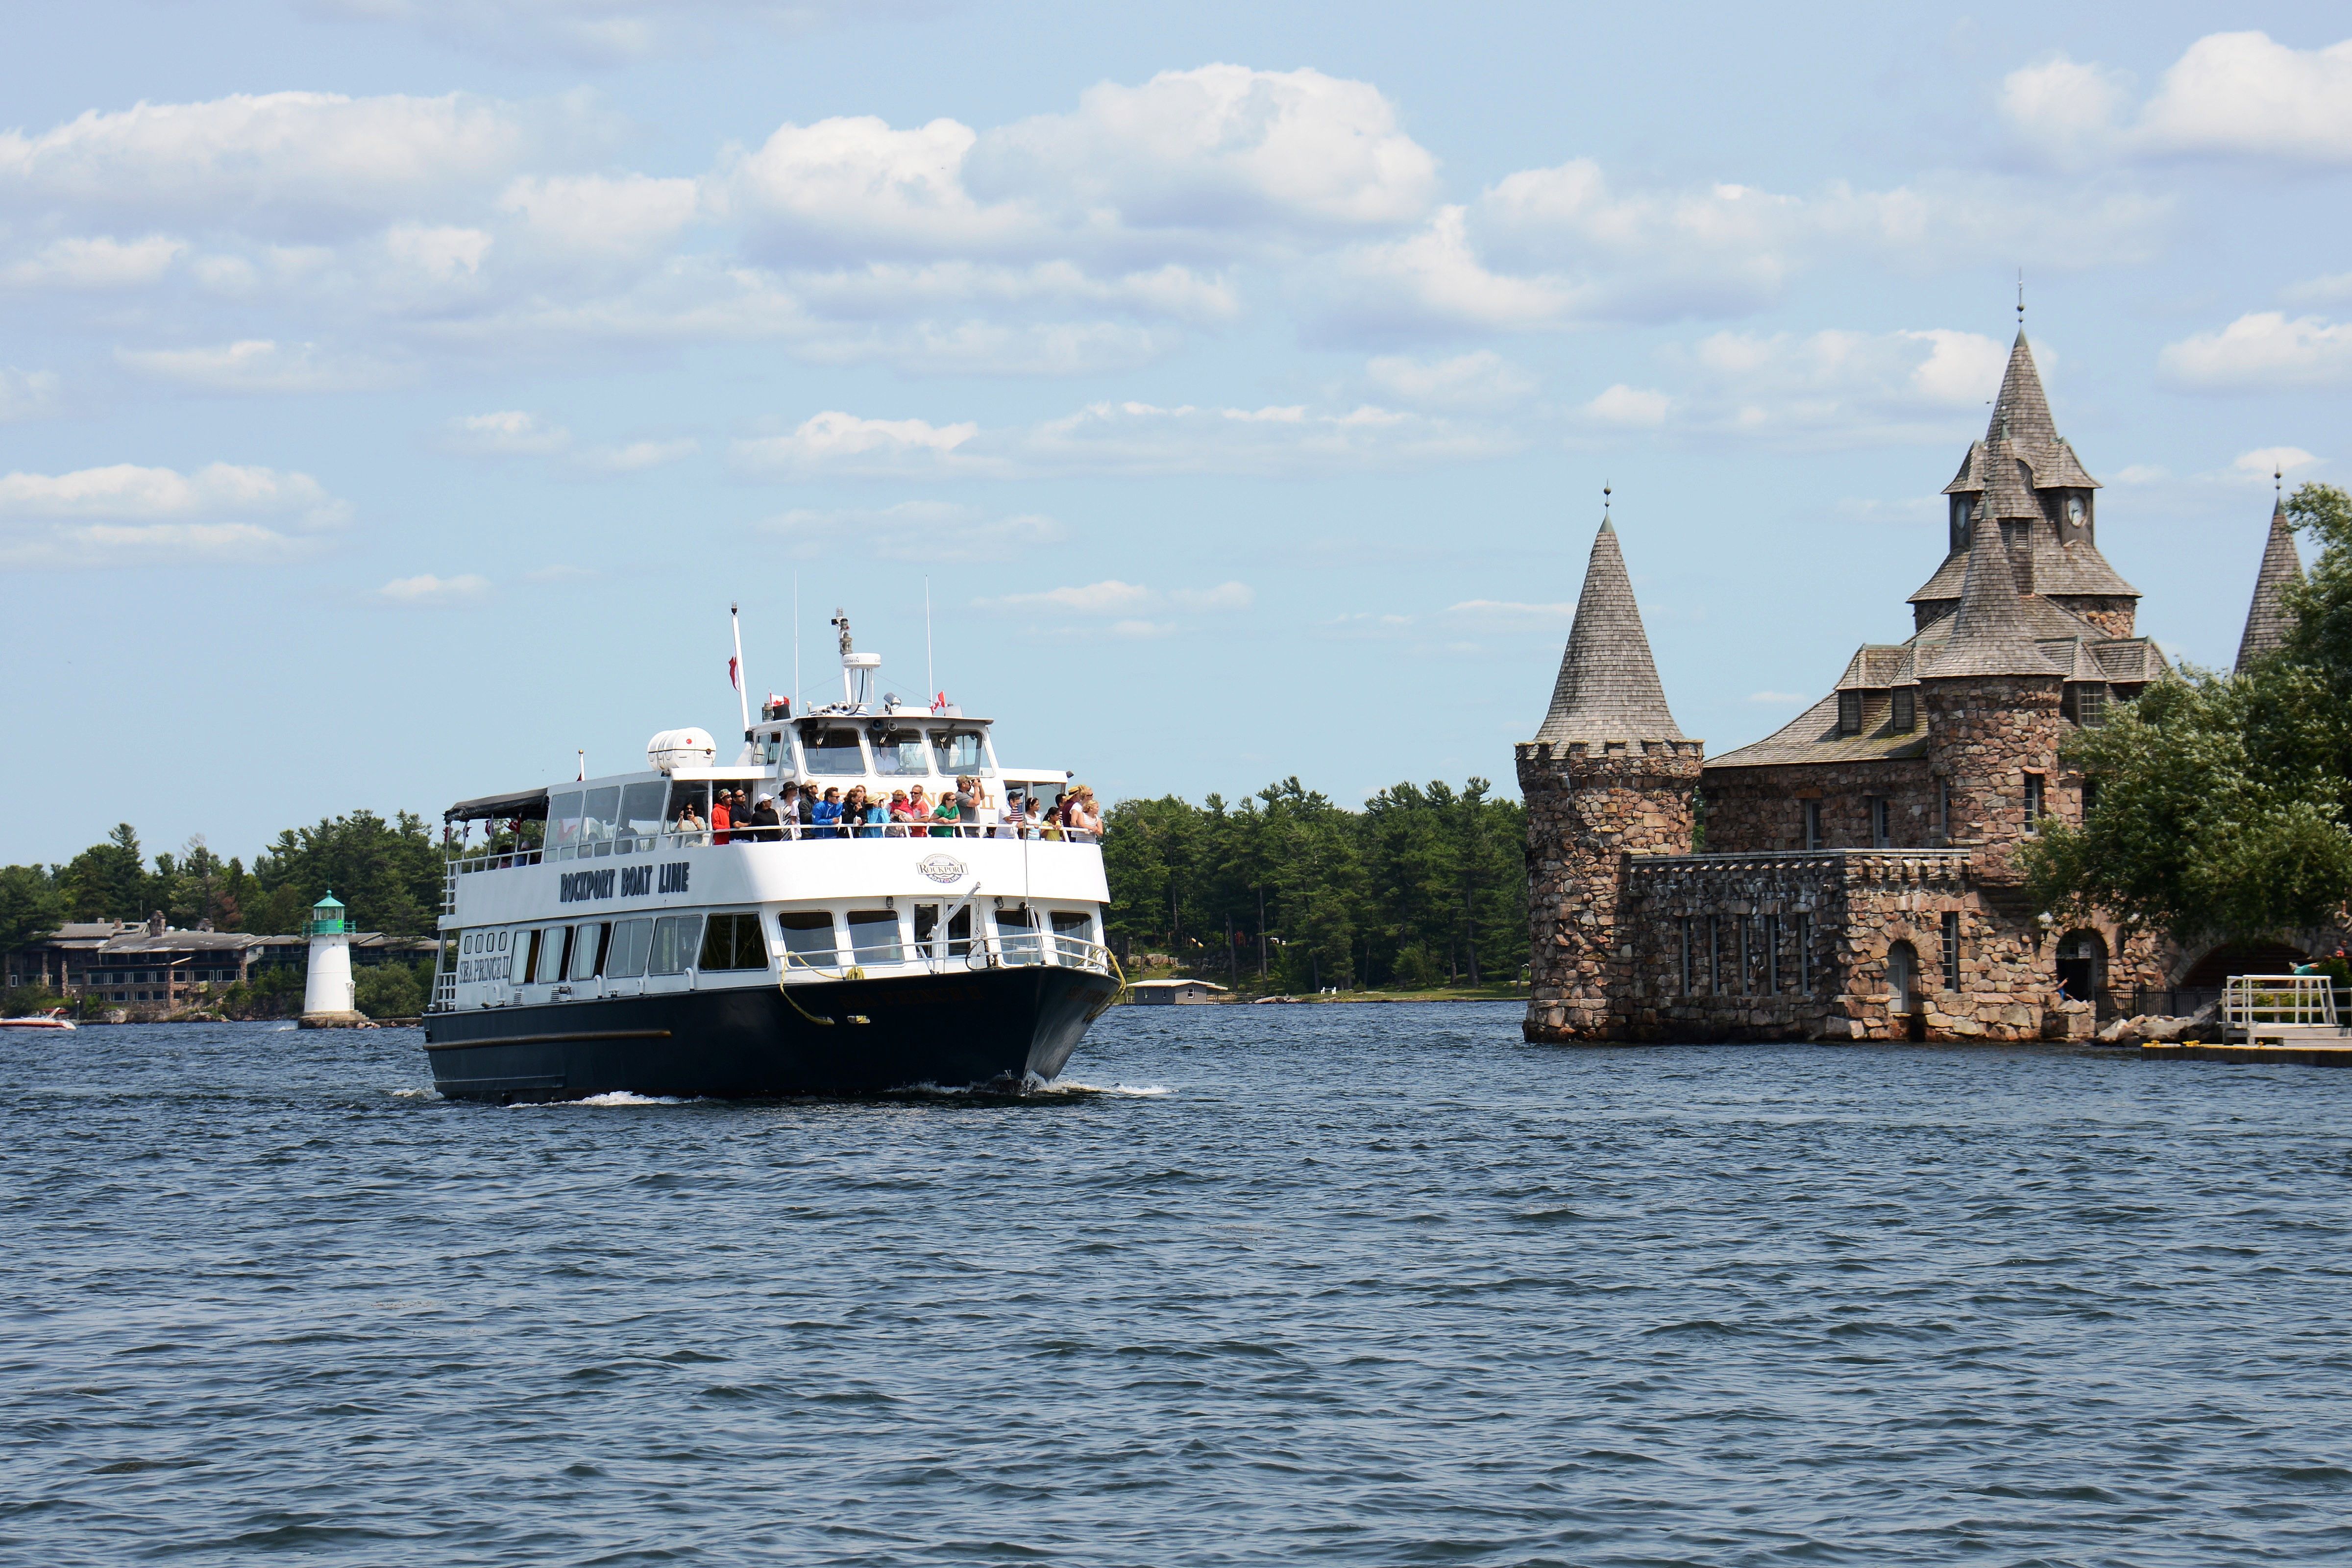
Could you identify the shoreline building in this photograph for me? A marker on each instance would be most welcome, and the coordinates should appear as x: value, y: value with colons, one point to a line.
x: 1858, y: 877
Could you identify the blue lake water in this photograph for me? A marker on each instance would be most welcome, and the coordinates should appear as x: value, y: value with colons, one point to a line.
x: 1345, y: 1284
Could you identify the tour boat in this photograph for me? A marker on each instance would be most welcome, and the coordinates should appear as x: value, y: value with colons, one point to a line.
x: 55, y: 1018
x: 623, y: 952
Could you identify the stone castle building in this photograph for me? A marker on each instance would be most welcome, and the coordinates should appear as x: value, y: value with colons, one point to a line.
x: 1857, y: 878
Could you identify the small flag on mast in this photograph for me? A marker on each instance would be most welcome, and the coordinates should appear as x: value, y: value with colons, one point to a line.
x: 733, y: 674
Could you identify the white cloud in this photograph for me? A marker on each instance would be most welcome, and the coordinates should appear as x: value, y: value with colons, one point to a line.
x: 2334, y: 289
x: 2230, y: 94
x: 129, y: 515
x: 94, y: 263
x: 606, y: 31
x: 27, y: 394
x: 427, y: 589
x: 311, y: 163
x: 1831, y: 387
x: 510, y: 433
x: 836, y: 443
x: 2258, y: 466
x: 626, y: 214
x: 1128, y: 601
x: 1503, y: 614
x: 635, y: 456
x: 1623, y: 405
x: 1480, y: 380
x: 916, y: 531
x: 260, y: 366
x: 2262, y: 351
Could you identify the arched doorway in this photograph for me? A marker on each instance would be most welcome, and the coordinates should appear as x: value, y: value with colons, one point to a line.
x: 2083, y: 965
x: 1905, y: 1018
x: 2231, y: 957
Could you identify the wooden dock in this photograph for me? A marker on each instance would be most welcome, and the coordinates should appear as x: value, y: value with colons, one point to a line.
x: 2299, y: 1053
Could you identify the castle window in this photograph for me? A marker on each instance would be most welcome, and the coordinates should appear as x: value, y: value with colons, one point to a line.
x: 2089, y: 705
x: 2090, y: 797
x: 1951, y: 950
x: 1959, y: 523
x: 1812, y: 824
x: 1905, y: 708
x: 1746, y: 956
x: 1880, y: 836
x: 1772, y: 954
x: 1849, y: 712
x: 1684, y: 926
x: 2033, y: 803
x: 1715, y: 956
x: 1805, y: 953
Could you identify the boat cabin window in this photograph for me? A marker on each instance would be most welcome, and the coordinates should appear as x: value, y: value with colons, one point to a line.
x: 733, y: 942
x: 808, y: 938
x: 682, y: 796
x: 899, y: 752
x: 625, y: 956
x: 958, y: 752
x: 1017, y: 935
x: 600, y: 816
x: 676, y: 937
x: 774, y: 746
x: 547, y: 954
x: 928, y: 935
x: 564, y: 824
x: 641, y: 817
x: 833, y: 751
x: 587, y: 947
x: 874, y: 936
x: 1075, y: 924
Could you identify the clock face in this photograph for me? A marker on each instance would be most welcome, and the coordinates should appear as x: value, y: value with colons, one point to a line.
x: 2074, y: 509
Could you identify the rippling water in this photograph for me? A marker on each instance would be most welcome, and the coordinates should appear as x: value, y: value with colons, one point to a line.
x: 1356, y: 1284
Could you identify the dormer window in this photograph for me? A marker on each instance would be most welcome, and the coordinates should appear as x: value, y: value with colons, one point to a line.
x: 1906, y: 712
x: 1959, y: 523
x: 2075, y: 511
x: 1849, y: 712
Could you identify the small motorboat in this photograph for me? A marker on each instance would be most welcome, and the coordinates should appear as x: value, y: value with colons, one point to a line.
x: 55, y: 1018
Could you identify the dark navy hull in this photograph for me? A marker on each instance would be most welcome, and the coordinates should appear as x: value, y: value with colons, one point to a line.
x: 850, y: 1036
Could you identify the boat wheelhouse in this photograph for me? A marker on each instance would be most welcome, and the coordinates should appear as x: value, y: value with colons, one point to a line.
x: 608, y: 937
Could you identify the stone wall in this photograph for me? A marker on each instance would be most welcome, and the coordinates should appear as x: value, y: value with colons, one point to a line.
x: 2114, y: 617
x: 1985, y: 733
x: 1588, y: 808
x: 1837, y: 916
x: 1757, y: 810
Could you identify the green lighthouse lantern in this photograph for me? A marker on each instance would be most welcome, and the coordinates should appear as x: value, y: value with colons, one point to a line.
x: 329, y: 918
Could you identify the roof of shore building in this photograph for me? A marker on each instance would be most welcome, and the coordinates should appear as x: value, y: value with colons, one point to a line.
x: 2267, y: 621
x: 1993, y: 629
x: 1608, y: 687
x: 2021, y: 457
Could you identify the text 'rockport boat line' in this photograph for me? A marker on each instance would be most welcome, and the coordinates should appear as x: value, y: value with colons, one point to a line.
x: 608, y: 939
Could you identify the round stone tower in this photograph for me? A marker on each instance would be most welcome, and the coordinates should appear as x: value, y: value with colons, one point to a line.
x: 327, y: 993
x: 1608, y: 776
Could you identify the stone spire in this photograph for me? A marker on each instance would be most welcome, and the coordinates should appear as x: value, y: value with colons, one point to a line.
x: 1608, y: 687
x: 1990, y: 632
x: 2021, y: 413
x: 2267, y: 620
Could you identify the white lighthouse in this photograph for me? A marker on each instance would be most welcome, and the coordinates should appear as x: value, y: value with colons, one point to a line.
x: 327, y: 996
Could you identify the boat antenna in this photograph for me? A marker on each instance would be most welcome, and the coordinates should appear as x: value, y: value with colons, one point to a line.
x: 584, y: 767
x: 742, y: 687
x: 796, y: 638
x: 927, y: 634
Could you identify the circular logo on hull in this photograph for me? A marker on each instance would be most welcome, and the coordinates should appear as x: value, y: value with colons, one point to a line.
x: 941, y: 867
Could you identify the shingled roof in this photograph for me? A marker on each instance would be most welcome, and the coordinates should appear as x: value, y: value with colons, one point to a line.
x: 1991, y: 633
x: 2267, y: 621
x: 1608, y: 687
x: 2022, y: 412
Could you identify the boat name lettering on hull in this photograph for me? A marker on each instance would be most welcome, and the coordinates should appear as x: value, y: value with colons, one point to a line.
x: 628, y: 881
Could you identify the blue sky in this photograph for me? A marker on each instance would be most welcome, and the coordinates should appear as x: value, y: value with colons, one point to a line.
x: 396, y: 393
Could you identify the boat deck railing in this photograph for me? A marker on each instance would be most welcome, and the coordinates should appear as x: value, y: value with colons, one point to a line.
x: 657, y: 843
x: 961, y: 955
x: 2279, y: 1007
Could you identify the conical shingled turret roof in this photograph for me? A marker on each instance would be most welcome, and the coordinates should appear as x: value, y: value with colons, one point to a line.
x: 1991, y: 633
x: 1608, y: 687
x: 2267, y: 621
x: 2022, y: 412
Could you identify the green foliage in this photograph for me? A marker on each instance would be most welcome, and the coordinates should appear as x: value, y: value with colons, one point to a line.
x: 25, y: 1000
x: 2223, y: 799
x: 31, y: 904
x: 273, y: 993
x: 1422, y: 886
x: 392, y: 990
x: 388, y: 873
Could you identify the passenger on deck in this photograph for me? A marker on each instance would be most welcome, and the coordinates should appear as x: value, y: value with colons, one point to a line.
x: 826, y: 816
x: 691, y: 827
x: 853, y: 811
x: 1016, y: 821
x: 919, y: 812
x: 768, y: 825
x: 1085, y: 819
x: 946, y: 816
x: 901, y: 813
x: 968, y: 808
x: 723, y: 817
x: 878, y: 814
x: 788, y: 811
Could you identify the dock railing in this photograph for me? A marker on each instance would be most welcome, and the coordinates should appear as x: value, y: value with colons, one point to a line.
x: 2255, y: 1007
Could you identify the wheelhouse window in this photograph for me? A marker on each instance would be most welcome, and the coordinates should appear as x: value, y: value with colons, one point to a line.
x: 641, y: 817
x: 600, y: 817
x: 901, y: 753
x: 1849, y: 712
x: 833, y: 750
x: 564, y: 824
x: 958, y: 752
x: 1907, y: 709
x: 808, y: 939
